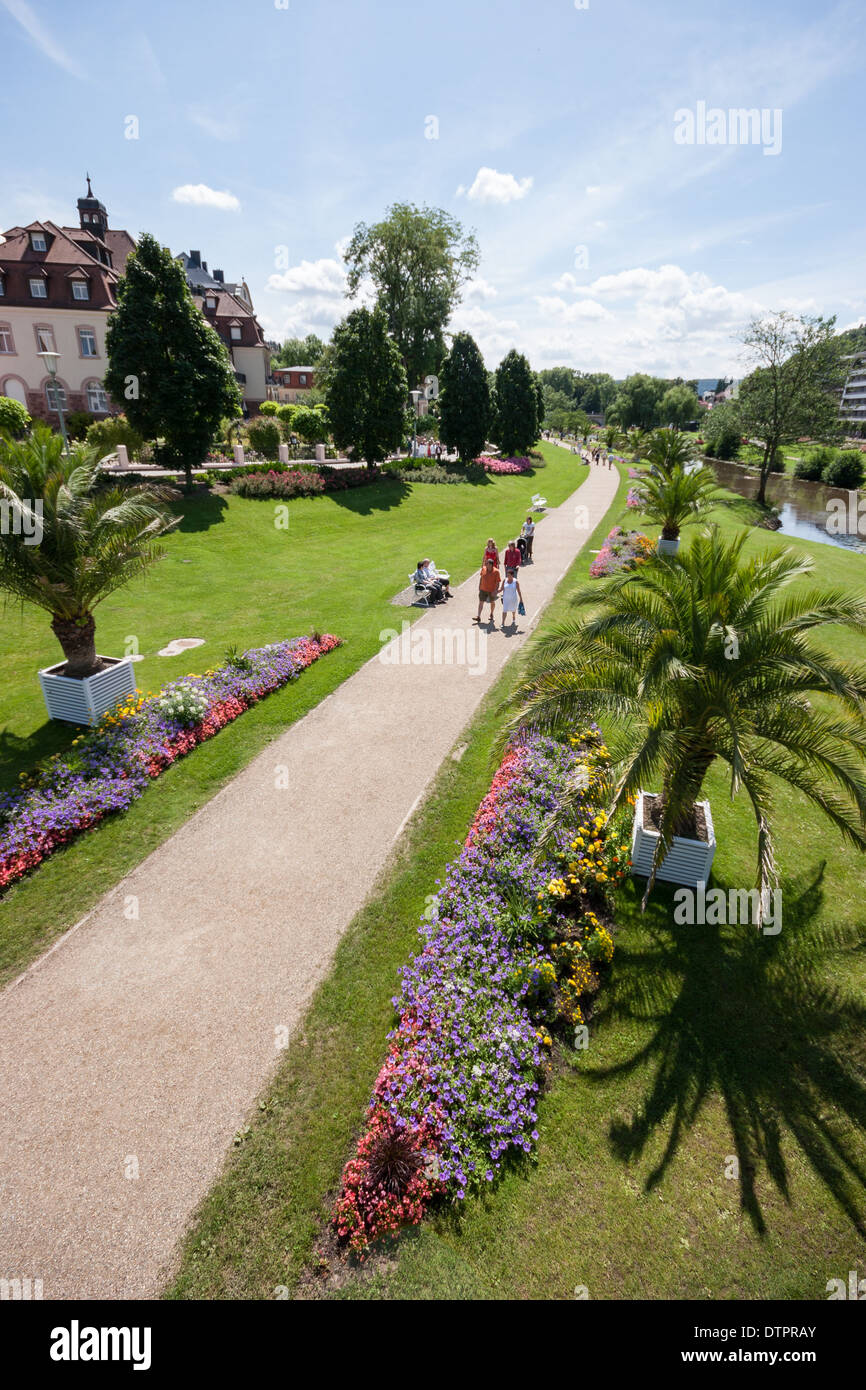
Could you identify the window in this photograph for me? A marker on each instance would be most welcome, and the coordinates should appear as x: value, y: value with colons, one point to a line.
x: 54, y: 392
x: 236, y: 332
x: 87, y: 342
x: 6, y: 341
x: 97, y: 401
x: 2, y: 285
x: 302, y: 380
x: 38, y: 242
x: 45, y: 338
x: 211, y: 302
x: 80, y: 289
x: 38, y: 288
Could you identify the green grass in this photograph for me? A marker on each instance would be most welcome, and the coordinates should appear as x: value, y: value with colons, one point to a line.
x: 707, y: 1045
x: 230, y: 576
x: 256, y: 1228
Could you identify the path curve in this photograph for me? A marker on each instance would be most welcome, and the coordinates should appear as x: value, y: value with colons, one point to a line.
x: 132, y: 1051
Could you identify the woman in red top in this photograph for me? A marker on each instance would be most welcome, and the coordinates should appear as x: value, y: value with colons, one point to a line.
x: 491, y: 553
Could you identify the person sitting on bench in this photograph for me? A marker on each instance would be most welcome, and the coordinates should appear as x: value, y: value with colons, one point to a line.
x: 431, y: 584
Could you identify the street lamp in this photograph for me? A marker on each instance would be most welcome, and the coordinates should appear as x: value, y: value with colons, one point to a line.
x: 51, y: 359
x: 416, y: 395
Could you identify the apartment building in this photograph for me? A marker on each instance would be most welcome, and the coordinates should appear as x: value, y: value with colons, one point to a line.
x: 228, y: 308
x: 57, y: 288
x: 852, y: 405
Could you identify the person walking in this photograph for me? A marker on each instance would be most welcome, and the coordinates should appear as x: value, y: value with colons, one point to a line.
x: 489, y: 581
x: 528, y: 532
x: 491, y: 552
x: 513, y: 557
x: 511, y: 597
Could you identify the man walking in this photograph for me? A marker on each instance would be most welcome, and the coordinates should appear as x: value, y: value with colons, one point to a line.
x: 528, y: 531
x: 488, y: 588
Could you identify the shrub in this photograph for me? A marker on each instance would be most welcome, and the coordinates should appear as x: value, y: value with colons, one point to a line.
x: 722, y: 432
x: 14, y: 417
x: 264, y: 437
x: 429, y: 473
x: 290, y: 482
x: 77, y: 423
x: 811, y: 466
x: 846, y: 470
x: 105, y: 435
x: 268, y: 408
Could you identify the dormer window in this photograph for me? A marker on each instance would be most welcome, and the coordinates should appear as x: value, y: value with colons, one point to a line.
x: 211, y: 302
x: 80, y: 289
x: 38, y: 242
x: 38, y: 288
x: 236, y: 333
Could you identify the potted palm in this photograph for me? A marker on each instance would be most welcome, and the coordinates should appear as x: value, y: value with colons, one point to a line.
x: 75, y: 542
x: 673, y: 492
x: 702, y: 658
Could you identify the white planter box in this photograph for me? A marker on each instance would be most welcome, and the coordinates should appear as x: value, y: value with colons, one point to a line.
x: 85, y: 701
x: 666, y: 547
x: 687, y: 862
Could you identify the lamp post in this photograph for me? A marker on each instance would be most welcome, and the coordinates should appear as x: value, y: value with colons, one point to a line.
x: 415, y: 398
x: 51, y: 359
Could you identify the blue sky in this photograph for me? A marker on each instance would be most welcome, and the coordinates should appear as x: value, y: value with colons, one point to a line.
x: 268, y: 128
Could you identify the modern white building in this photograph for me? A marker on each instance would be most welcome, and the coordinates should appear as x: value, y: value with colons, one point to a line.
x: 852, y: 406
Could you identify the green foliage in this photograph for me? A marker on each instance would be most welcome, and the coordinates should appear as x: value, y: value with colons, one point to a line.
x: 722, y: 431
x: 674, y: 498
x: 165, y: 362
x: 418, y: 259
x: 264, y: 437
x: 14, y: 417
x: 679, y: 406
x: 516, y: 421
x: 707, y: 656
x: 367, y: 387
x: 310, y: 424
x: 813, y: 463
x: 299, y: 352
x: 464, y: 398
x: 77, y: 424
x: 846, y: 469
x: 105, y: 435
x: 790, y: 393
x: 93, y: 538
x: 268, y: 408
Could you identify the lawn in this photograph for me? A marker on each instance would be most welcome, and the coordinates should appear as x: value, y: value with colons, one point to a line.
x: 708, y: 1045
x: 231, y: 576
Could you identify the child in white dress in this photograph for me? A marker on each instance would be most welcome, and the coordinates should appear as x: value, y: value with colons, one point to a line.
x: 511, y: 596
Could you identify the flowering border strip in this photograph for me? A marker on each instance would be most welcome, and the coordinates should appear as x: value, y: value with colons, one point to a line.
x: 621, y: 550
x: 521, y: 464
x: 110, y: 766
x: 511, y: 946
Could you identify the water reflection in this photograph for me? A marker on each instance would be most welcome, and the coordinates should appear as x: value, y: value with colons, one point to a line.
x: 803, y: 507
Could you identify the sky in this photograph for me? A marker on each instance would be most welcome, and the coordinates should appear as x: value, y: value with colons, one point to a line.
x: 624, y: 222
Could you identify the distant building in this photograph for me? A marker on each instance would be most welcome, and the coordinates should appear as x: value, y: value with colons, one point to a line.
x: 292, y: 385
x: 228, y: 308
x: 57, y: 288
x: 852, y: 405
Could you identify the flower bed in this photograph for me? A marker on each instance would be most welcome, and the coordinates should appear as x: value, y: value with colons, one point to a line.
x: 622, y: 550
x: 513, y: 950
x: 300, y: 482
x: 505, y: 465
x: 109, y: 767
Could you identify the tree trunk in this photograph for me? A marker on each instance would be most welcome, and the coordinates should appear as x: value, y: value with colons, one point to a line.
x: 78, y: 640
x: 761, y: 494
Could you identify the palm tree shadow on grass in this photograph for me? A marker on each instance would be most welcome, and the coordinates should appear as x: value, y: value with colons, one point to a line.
x: 751, y: 1019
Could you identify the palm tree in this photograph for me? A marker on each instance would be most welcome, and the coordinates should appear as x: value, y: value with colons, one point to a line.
x: 638, y: 442
x: 90, y: 539
x: 706, y: 656
x: 674, y: 498
x: 612, y: 436
x: 665, y: 449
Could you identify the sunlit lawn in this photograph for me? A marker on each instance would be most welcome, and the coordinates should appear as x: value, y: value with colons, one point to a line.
x: 231, y: 576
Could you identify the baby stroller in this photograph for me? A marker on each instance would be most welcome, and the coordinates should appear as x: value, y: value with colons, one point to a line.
x: 521, y: 546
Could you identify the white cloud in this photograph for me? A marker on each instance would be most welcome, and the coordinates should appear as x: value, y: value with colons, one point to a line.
x: 479, y: 288
x: 492, y: 187
x: 43, y: 40
x: 325, y: 276
x: 569, y: 313
x: 200, y: 195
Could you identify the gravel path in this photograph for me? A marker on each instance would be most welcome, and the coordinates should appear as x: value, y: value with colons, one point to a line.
x: 131, y: 1053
